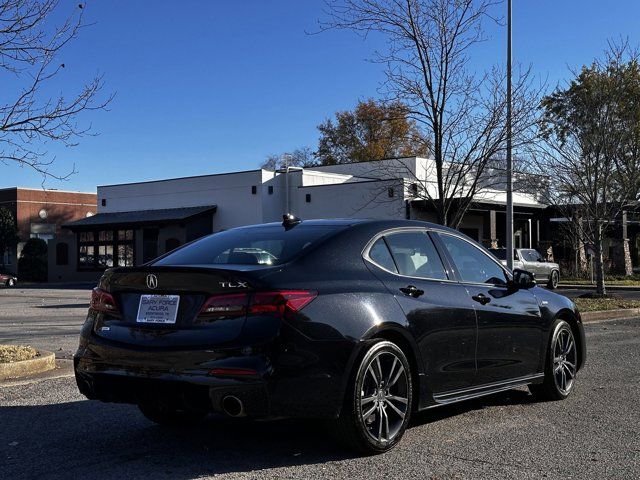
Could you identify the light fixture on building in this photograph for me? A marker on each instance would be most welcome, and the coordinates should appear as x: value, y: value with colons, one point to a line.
x: 43, y: 214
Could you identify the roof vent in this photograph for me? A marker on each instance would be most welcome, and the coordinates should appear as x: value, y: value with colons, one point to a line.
x: 289, y: 221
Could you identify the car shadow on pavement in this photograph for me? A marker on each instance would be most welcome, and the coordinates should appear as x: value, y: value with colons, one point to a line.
x: 88, y: 438
x: 506, y: 398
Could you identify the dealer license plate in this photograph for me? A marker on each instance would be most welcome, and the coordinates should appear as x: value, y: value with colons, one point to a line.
x: 158, y: 309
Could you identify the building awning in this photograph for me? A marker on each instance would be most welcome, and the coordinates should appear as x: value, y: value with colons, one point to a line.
x: 139, y: 218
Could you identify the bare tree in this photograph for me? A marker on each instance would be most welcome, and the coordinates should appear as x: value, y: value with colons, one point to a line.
x: 591, y: 151
x: 462, y: 113
x: 300, y: 157
x: 31, y: 42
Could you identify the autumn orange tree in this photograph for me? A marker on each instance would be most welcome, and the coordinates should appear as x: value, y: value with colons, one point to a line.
x: 373, y: 130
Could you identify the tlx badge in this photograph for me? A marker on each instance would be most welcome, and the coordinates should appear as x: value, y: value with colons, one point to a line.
x: 237, y: 284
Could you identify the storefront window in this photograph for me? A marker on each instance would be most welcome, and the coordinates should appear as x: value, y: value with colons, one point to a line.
x: 125, y: 255
x: 125, y: 234
x: 86, y: 256
x: 105, y: 256
x: 105, y: 236
x: 105, y: 248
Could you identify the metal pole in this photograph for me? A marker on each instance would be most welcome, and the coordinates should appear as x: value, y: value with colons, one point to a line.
x: 509, y: 157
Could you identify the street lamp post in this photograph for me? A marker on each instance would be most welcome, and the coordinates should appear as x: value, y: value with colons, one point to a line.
x: 509, y: 233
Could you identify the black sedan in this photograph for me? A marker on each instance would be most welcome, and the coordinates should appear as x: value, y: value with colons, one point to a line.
x: 360, y: 322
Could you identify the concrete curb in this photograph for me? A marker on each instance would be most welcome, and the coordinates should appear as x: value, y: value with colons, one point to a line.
x: 64, y: 369
x: 610, y: 314
x: 43, y: 362
x: 574, y: 286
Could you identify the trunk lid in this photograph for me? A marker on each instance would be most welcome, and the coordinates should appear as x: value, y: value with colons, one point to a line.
x: 189, y: 288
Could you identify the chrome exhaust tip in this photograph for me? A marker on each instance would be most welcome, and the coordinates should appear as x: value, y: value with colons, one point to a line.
x: 233, y: 406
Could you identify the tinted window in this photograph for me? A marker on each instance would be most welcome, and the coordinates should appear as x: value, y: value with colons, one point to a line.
x: 249, y: 246
x: 473, y: 264
x: 415, y: 255
x: 379, y: 254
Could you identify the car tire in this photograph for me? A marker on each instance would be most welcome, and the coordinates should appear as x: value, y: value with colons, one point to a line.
x: 163, y: 414
x: 560, y: 364
x: 554, y: 279
x: 378, y: 400
x: 11, y: 282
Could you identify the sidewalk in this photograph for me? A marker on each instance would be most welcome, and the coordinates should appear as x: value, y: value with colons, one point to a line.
x: 600, y: 315
x: 592, y: 286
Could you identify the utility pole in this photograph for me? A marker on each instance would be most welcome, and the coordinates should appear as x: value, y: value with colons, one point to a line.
x: 509, y: 232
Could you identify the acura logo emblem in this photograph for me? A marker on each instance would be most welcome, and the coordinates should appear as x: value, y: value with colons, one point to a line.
x: 152, y: 281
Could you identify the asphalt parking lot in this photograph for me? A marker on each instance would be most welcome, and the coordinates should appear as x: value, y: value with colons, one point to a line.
x: 48, y: 430
x: 46, y: 318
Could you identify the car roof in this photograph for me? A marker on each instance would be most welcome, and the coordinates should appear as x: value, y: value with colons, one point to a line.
x: 349, y: 222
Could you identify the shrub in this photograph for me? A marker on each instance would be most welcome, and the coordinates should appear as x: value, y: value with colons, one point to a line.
x: 32, y: 264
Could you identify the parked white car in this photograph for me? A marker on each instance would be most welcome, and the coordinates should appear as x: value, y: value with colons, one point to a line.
x: 530, y: 260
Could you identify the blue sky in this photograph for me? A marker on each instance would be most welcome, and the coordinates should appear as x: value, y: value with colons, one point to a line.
x: 214, y: 86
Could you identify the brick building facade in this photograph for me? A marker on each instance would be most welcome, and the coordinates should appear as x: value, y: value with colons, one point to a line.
x: 40, y: 213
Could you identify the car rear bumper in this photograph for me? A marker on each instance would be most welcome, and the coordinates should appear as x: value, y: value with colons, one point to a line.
x: 184, y: 391
x: 298, y: 385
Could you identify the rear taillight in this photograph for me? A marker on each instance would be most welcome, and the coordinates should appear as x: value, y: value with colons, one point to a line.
x: 103, y: 302
x: 226, y: 306
x: 281, y: 303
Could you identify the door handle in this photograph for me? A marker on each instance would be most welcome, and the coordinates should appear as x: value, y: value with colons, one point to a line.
x: 412, y: 291
x: 481, y: 298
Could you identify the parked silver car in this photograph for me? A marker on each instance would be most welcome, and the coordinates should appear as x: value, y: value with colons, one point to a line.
x: 530, y: 260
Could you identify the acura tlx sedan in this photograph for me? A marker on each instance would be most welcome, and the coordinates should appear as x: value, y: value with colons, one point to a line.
x: 360, y: 322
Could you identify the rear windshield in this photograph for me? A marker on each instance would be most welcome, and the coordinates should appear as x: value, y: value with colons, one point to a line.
x: 250, y: 246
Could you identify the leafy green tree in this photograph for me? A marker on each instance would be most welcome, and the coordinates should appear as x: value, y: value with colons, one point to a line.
x: 8, y: 232
x: 371, y: 131
x: 591, y: 149
x: 32, y: 264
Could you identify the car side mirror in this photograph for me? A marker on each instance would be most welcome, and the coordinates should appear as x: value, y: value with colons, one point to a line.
x: 523, y: 278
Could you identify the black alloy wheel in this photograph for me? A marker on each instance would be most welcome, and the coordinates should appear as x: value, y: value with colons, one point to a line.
x: 561, y: 364
x: 379, y: 400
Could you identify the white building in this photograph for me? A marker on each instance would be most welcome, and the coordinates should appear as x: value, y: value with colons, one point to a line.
x: 139, y: 221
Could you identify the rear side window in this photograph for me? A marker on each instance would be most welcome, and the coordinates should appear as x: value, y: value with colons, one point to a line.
x: 250, y: 246
x: 415, y: 255
x: 379, y: 254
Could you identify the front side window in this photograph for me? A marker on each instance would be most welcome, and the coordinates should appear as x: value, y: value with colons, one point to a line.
x: 415, y: 255
x: 473, y: 265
